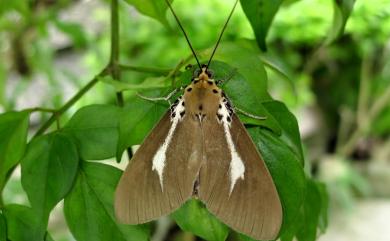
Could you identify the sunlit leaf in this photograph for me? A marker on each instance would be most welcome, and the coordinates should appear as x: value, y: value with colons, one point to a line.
x: 153, y: 8
x: 341, y: 11
x: 95, y: 129
x: 48, y: 171
x: 13, y: 138
x: 195, y: 218
x: 89, y: 207
x: 23, y: 224
x: 260, y: 14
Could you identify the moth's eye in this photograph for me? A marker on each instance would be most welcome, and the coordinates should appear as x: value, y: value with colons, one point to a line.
x: 196, y: 73
x: 210, y: 73
x: 188, y: 67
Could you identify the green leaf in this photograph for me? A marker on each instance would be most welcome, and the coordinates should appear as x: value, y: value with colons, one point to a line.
x: 289, y: 125
x: 240, y: 92
x: 260, y: 14
x: 13, y: 133
x: 286, y: 171
x: 89, y: 207
x: 23, y: 224
x: 19, y: 5
x: 341, y: 11
x: 148, y: 83
x: 323, y: 220
x: 48, y: 237
x: 153, y: 8
x: 74, y: 31
x: 48, y: 171
x: 311, y: 213
x: 245, y: 60
x: 273, y: 64
x: 3, y: 228
x: 138, y: 118
x: 195, y: 218
x: 95, y: 129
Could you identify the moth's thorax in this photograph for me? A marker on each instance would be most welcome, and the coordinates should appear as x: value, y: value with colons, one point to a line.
x: 202, y: 97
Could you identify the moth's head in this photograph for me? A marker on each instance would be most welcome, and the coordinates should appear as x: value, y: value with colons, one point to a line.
x: 203, y: 74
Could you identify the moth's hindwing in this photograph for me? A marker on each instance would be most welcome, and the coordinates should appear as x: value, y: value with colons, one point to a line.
x: 234, y: 182
x: 161, y: 175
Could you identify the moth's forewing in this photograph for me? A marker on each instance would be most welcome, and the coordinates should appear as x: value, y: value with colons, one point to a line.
x: 140, y: 197
x: 253, y: 206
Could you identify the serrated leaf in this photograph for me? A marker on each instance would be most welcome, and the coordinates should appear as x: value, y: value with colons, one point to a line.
x: 289, y: 125
x: 153, y: 8
x: 260, y: 14
x: 89, y: 209
x: 138, y: 118
x: 286, y: 171
x: 341, y: 11
x: 48, y: 172
x: 13, y: 133
x: 195, y: 218
x: 95, y: 129
x: 23, y: 224
x: 3, y: 228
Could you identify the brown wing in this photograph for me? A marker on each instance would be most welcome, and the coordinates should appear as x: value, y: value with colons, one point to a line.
x: 139, y: 196
x: 253, y: 207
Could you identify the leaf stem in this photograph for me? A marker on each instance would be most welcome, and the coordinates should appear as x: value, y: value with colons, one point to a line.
x: 68, y: 104
x: 42, y: 109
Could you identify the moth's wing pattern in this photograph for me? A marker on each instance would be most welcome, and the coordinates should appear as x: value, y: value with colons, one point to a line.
x: 139, y: 195
x: 253, y: 207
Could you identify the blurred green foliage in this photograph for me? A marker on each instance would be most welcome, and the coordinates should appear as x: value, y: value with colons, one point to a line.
x: 51, y: 49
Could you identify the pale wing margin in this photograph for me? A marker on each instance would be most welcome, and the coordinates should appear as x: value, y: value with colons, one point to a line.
x: 139, y: 196
x: 253, y: 206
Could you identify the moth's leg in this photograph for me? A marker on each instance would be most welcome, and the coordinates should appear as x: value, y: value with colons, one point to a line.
x: 165, y: 98
x: 250, y: 115
x: 229, y: 77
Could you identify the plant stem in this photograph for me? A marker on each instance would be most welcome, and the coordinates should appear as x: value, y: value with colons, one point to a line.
x: 114, y: 59
x: 68, y: 104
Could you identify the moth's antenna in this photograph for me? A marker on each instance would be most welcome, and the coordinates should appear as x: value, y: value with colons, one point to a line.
x: 184, y: 32
x: 220, y: 36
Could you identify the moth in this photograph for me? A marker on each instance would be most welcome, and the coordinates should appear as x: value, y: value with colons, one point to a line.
x: 200, y: 149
